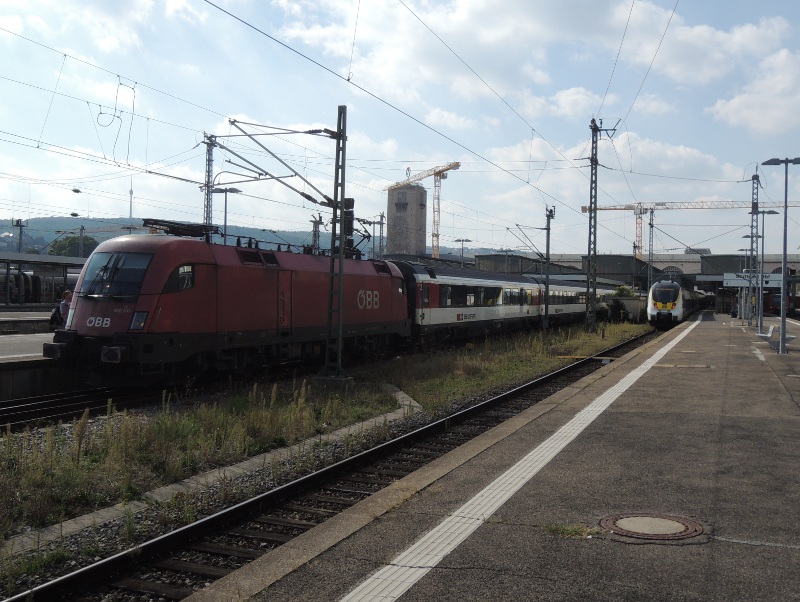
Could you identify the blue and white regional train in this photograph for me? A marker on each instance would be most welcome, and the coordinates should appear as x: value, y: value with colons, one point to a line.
x: 669, y: 304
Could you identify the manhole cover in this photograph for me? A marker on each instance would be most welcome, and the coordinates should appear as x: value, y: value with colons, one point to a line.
x: 644, y: 525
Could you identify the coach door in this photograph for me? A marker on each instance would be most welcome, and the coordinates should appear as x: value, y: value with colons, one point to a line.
x: 284, y: 301
x: 424, y: 302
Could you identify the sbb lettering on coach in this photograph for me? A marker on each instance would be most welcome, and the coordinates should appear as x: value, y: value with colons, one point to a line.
x: 368, y: 299
x: 99, y: 322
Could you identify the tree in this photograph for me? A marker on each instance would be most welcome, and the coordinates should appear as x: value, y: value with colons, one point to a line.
x: 70, y: 246
x: 624, y: 291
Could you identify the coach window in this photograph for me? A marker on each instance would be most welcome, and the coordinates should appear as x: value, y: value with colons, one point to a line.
x: 445, y: 298
x: 426, y: 295
x: 181, y: 279
x: 459, y: 296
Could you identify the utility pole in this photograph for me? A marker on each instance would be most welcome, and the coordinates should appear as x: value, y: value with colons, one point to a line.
x: 591, y: 268
x: 20, y: 225
x: 650, y: 255
x: 550, y: 214
x: 381, y: 240
x: 80, y: 243
x: 210, y: 142
x: 333, y: 340
x: 21, y: 287
x: 751, y: 288
x: 315, y: 224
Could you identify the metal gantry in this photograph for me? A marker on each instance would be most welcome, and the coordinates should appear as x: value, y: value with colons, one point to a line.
x: 341, y: 208
x: 640, y: 209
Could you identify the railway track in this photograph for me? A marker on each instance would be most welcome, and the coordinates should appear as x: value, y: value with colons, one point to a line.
x: 54, y: 407
x: 174, y: 565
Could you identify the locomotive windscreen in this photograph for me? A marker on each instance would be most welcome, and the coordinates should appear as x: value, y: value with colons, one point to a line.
x: 114, y: 274
x: 666, y: 292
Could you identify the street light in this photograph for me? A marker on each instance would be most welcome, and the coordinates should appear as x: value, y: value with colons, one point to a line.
x: 225, y: 223
x: 795, y: 161
x: 462, y: 241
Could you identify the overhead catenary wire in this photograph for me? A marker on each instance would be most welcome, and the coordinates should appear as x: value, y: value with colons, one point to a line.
x: 505, y: 166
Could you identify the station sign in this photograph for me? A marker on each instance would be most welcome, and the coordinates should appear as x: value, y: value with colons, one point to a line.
x: 743, y: 280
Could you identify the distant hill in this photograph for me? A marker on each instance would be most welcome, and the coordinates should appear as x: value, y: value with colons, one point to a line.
x: 39, y: 232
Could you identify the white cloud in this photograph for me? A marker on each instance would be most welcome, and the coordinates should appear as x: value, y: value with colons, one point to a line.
x: 13, y: 23
x: 768, y: 104
x: 570, y: 103
x: 651, y: 104
x: 110, y: 26
x: 182, y: 9
x: 536, y: 74
x: 696, y: 54
x: 442, y: 118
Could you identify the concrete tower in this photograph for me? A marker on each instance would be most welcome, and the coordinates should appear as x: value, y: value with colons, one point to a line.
x: 407, y: 220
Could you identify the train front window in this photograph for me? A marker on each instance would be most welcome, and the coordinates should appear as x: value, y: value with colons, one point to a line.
x: 666, y: 293
x: 114, y: 274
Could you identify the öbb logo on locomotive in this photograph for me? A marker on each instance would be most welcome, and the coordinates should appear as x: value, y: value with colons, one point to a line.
x: 98, y: 322
x: 368, y: 299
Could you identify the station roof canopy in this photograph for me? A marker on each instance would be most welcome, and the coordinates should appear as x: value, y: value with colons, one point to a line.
x: 36, y: 259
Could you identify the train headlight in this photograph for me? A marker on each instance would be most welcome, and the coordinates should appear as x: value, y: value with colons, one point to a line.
x: 138, y: 320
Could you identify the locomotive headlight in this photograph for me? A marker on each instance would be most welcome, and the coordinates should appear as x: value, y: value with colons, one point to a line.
x: 138, y: 320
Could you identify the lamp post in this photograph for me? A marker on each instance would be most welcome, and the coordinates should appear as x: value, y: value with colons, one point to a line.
x: 550, y: 214
x: 462, y: 241
x: 795, y: 161
x: 225, y: 222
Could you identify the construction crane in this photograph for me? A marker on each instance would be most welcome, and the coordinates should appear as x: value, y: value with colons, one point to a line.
x: 640, y: 209
x: 438, y: 174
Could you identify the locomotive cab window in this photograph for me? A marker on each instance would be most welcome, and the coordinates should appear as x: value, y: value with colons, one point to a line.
x: 181, y: 279
x: 114, y: 274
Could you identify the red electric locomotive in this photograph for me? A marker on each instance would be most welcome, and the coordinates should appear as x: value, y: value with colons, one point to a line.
x: 156, y: 307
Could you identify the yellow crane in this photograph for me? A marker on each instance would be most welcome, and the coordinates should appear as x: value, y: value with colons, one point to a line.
x: 640, y: 209
x: 438, y: 173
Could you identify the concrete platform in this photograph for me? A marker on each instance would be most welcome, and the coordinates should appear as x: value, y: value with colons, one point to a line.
x: 705, y: 435
x: 24, y: 322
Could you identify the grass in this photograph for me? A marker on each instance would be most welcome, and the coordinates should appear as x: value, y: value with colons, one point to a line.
x: 437, y: 379
x: 52, y: 474
x: 58, y: 472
